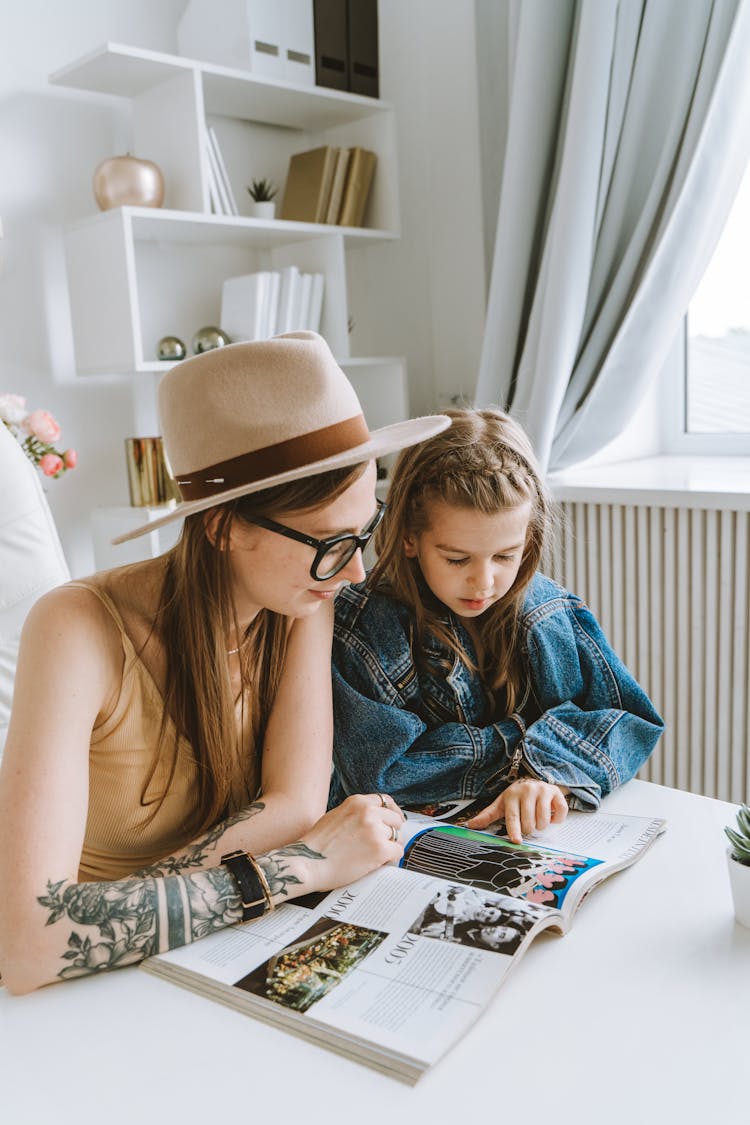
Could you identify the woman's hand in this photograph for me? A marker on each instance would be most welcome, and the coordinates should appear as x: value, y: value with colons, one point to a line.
x: 348, y: 842
x: 526, y: 806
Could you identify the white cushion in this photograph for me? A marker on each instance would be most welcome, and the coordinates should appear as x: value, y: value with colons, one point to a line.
x: 31, y: 557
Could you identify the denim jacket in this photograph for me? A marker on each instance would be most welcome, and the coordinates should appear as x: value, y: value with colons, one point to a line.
x: 425, y: 732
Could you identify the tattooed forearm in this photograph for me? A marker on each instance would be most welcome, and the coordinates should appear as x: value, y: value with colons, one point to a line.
x: 196, y: 854
x: 277, y: 870
x: 109, y: 925
x: 117, y: 924
x: 120, y: 923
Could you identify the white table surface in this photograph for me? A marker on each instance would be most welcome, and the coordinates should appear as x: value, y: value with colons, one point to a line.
x: 640, y: 1013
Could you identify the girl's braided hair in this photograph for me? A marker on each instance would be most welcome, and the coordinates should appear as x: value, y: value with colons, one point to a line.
x: 485, y: 462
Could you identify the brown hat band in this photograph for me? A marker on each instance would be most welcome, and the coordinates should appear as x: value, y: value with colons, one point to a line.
x: 273, y: 459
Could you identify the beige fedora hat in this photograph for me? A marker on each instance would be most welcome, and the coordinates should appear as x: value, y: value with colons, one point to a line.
x: 249, y: 416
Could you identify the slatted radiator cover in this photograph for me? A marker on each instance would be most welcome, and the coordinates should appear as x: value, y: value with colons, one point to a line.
x: 671, y: 589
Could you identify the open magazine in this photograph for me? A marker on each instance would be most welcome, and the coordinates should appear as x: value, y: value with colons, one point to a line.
x: 393, y: 969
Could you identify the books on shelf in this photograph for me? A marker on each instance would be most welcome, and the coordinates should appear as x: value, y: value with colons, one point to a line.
x: 298, y: 42
x: 246, y: 307
x: 357, y: 188
x: 329, y: 185
x: 215, y: 199
x: 331, y: 46
x: 289, y: 287
x: 394, y: 969
x: 272, y: 307
x: 308, y: 185
x: 346, y: 45
x: 362, y: 47
x: 223, y: 177
x: 258, y: 305
x: 220, y: 191
x: 337, y: 185
x: 305, y: 290
x: 315, y: 311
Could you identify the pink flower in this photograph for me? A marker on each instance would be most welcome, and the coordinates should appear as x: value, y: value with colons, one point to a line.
x: 12, y: 409
x: 43, y: 426
x: 36, y: 432
x: 51, y: 464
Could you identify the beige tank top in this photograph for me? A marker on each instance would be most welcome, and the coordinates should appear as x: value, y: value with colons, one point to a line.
x: 122, y: 835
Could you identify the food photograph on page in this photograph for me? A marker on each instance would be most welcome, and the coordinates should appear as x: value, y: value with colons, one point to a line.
x: 307, y: 970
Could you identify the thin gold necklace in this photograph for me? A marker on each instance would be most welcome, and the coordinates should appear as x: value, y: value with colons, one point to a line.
x: 234, y: 651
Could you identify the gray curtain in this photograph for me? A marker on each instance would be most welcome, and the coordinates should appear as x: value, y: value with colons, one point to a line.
x: 627, y: 134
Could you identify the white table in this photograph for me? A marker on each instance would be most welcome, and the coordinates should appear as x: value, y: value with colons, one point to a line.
x: 640, y: 1013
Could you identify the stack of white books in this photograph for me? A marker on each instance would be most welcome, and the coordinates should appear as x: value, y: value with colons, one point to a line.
x: 263, y: 304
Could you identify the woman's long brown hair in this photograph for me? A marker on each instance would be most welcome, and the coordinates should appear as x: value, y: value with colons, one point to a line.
x: 484, y: 462
x: 196, y: 615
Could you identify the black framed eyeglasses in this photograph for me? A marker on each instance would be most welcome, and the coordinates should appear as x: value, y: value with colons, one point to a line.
x: 331, y: 555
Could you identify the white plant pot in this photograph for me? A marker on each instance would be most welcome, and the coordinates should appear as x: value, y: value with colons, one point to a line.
x: 739, y: 879
x: 263, y: 210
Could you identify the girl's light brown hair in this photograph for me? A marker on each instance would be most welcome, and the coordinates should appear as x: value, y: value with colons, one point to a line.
x: 485, y: 462
x: 196, y: 615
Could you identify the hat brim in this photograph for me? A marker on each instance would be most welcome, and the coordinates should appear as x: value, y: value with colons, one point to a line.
x: 389, y: 439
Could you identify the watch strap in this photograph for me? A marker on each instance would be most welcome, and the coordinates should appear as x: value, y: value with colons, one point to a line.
x: 253, y: 897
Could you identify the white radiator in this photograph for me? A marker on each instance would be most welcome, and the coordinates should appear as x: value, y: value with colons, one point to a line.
x: 671, y: 589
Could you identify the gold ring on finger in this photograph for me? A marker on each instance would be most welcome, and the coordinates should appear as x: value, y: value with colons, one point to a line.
x: 383, y: 801
x: 394, y: 833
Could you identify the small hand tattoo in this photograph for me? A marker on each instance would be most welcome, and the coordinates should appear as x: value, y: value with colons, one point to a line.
x: 277, y: 873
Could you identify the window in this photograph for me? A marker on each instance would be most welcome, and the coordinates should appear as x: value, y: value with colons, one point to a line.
x: 717, y: 347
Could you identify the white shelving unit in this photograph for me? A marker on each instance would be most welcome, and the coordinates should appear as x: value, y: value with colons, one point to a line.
x: 137, y: 274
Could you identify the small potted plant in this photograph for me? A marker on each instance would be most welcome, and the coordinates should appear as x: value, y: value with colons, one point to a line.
x: 738, y: 858
x: 262, y: 193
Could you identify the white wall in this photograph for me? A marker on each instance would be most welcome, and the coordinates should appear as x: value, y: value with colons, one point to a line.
x: 426, y: 293
x: 51, y: 140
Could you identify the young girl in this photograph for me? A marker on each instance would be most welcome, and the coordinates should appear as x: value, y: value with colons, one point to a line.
x: 462, y: 672
x: 169, y: 751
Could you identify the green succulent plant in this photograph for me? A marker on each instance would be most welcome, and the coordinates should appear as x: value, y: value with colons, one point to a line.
x: 739, y: 837
x: 263, y: 190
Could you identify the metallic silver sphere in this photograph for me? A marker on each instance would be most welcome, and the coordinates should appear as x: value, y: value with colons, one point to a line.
x: 209, y: 337
x: 171, y: 347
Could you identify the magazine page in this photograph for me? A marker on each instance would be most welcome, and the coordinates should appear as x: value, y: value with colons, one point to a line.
x: 556, y: 867
x: 391, y: 970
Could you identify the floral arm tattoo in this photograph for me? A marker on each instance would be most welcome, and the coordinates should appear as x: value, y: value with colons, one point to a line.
x: 134, y: 918
x: 196, y: 855
x: 129, y: 920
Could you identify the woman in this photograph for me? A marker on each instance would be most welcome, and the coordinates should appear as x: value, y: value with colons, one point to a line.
x: 169, y: 751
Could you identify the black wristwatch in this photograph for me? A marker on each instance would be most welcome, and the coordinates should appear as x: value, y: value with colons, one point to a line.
x: 254, y: 900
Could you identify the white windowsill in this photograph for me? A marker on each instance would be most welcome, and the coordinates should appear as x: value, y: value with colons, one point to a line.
x: 667, y: 481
